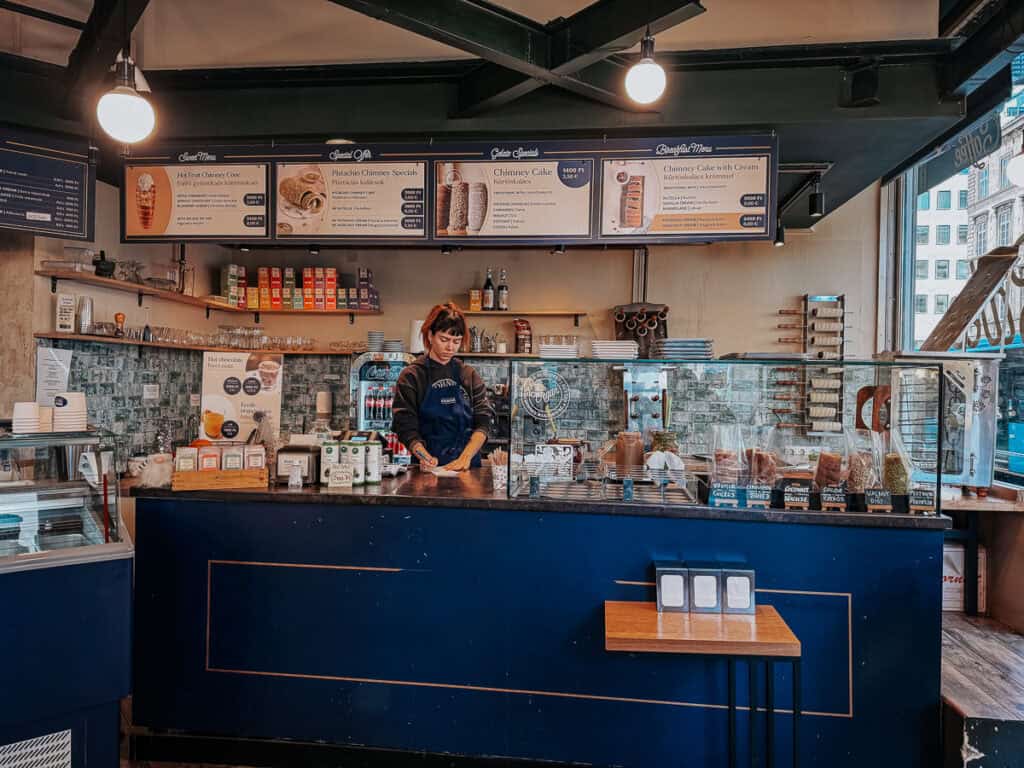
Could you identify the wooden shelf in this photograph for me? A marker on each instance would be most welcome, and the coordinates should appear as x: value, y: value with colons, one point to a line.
x: 495, y: 354
x: 575, y: 314
x: 638, y: 627
x: 142, y: 290
x: 188, y: 347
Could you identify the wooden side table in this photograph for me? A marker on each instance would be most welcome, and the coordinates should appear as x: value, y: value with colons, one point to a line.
x: 760, y: 638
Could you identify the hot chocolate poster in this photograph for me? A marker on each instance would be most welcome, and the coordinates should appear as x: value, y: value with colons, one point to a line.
x: 240, y: 389
x: 195, y: 201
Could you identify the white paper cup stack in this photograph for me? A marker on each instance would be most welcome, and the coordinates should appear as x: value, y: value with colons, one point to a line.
x: 69, y: 412
x: 26, y: 418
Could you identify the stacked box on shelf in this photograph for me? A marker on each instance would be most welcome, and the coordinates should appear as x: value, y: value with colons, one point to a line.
x: 243, y: 288
x: 330, y: 288
x: 288, y: 288
x: 229, y: 283
x: 263, y: 274
x: 275, y: 288
x: 319, y: 300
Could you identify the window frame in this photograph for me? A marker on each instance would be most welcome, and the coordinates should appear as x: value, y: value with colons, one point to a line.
x: 949, y: 200
x: 941, y: 263
x: 961, y: 199
x: 920, y: 300
x: 941, y: 298
x: 966, y: 270
x: 939, y: 229
x: 918, y: 230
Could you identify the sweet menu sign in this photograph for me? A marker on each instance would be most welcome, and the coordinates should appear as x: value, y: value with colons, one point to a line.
x: 692, y: 189
x: 47, y: 185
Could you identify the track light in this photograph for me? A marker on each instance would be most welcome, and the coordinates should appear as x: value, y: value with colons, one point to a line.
x: 446, y: 250
x: 816, y: 202
x: 645, y: 80
x: 243, y: 248
x: 122, y: 113
x: 314, y: 250
x: 780, y: 234
x: 558, y: 250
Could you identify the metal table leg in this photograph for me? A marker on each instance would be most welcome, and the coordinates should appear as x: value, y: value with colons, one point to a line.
x: 971, y: 564
x: 796, y: 713
x: 732, y: 712
x: 752, y: 678
x: 769, y: 684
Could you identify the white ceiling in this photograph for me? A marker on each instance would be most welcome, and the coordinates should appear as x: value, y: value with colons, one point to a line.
x: 183, y: 34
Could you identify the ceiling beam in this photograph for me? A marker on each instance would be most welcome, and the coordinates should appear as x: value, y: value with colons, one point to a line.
x: 586, y: 38
x: 36, y: 13
x: 101, y: 39
x: 988, y: 50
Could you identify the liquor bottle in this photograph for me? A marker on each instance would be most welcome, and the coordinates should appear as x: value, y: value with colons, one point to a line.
x: 503, y: 290
x: 488, y: 302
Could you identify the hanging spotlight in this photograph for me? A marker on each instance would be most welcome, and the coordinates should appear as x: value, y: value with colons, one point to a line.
x: 243, y: 248
x: 1015, y: 169
x: 780, y: 234
x: 645, y: 81
x: 314, y: 250
x: 446, y: 250
x: 558, y: 250
x: 816, y: 202
x: 122, y: 113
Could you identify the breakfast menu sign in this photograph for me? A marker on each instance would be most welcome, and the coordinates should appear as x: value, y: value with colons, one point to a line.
x: 240, y: 389
x: 594, y: 191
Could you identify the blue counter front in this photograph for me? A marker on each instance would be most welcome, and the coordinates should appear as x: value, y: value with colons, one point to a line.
x: 479, y: 631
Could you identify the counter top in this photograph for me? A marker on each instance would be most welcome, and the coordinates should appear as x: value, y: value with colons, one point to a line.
x: 472, y: 489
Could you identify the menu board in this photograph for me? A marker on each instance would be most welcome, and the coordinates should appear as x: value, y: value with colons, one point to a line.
x: 372, y: 200
x: 47, y: 186
x: 239, y: 390
x: 689, y: 196
x: 195, y: 202
x: 517, y: 199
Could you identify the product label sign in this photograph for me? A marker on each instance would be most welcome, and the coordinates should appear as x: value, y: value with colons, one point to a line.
x: 797, y: 497
x: 759, y: 496
x: 724, y: 495
x: 878, y: 500
x: 240, y: 390
x: 922, y: 500
x: 833, y: 497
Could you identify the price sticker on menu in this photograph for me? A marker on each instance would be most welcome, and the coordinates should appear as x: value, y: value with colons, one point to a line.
x: 922, y: 500
x: 797, y: 497
x: 724, y: 495
x: 833, y: 498
x: 878, y: 500
x: 759, y: 496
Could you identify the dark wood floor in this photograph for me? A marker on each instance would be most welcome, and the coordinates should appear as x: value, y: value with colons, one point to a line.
x: 982, y: 668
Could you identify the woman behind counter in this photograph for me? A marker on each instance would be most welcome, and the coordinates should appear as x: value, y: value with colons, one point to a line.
x: 442, y: 413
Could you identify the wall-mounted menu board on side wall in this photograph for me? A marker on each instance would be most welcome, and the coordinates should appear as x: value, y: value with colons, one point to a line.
x: 195, y: 195
x: 694, y: 189
x: 47, y: 185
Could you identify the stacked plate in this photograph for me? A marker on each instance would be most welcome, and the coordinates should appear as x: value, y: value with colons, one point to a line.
x: 614, y: 350
x: 555, y: 351
x: 69, y: 412
x: 683, y: 349
x: 393, y: 345
x: 375, y: 341
x: 26, y: 418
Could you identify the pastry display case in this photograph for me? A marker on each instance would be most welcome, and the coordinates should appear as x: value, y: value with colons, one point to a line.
x: 730, y: 433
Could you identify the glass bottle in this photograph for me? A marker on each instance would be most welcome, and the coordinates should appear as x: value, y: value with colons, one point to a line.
x: 503, y: 290
x: 488, y: 297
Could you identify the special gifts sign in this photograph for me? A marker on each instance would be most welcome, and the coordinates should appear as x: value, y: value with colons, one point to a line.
x: 240, y: 389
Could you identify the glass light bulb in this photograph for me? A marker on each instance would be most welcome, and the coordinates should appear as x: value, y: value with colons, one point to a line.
x: 1015, y: 170
x: 645, y: 81
x: 125, y: 116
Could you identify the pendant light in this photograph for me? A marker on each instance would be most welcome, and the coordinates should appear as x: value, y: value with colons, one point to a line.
x: 816, y: 202
x: 122, y: 113
x: 645, y: 81
x: 780, y: 233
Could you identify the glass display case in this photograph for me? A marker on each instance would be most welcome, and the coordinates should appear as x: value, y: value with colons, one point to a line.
x: 58, y: 495
x: 771, y: 433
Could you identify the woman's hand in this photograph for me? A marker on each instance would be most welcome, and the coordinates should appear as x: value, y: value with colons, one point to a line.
x: 419, y: 450
x: 461, y: 464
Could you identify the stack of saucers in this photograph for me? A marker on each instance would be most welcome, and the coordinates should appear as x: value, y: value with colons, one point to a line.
x: 614, y: 350
x: 69, y: 412
x: 375, y: 341
x: 558, y: 351
x: 26, y: 418
x: 683, y: 349
x: 393, y: 345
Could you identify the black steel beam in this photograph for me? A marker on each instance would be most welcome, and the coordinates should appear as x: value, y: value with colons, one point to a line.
x: 988, y: 50
x: 101, y: 39
x: 36, y: 13
x: 586, y: 38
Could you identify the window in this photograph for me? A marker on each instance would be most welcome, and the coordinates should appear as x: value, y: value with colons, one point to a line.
x: 962, y: 201
x: 920, y: 304
x: 963, y: 269
x: 944, y: 201
x: 961, y: 234
x: 1004, y: 180
x: 942, y: 269
x: 941, y: 303
x: 924, y: 201
x: 921, y: 269
x: 1003, y: 216
x: 922, y: 235
x: 981, y: 236
x: 983, y: 183
x: 942, y: 234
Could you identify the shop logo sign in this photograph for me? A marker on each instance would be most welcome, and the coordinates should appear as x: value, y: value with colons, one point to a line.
x: 520, y: 153
x: 545, y: 395
x: 693, y: 148
x: 353, y: 154
x: 197, y: 157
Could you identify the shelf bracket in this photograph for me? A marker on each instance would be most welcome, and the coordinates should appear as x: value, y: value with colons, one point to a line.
x: 207, y: 313
x: 256, y: 317
x: 351, y: 318
x: 53, y: 285
x: 576, y: 320
x: 140, y: 298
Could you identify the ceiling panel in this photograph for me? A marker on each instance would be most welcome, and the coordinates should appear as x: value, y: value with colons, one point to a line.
x: 37, y: 39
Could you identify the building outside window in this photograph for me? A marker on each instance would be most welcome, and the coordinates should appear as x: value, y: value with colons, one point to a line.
x: 1004, y: 215
x: 983, y: 183
x: 981, y: 236
x: 1004, y: 180
x: 920, y: 304
x: 924, y: 201
x: 962, y: 231
x: 920, y: 269
x: 941, y: 303
x: 943, y: 201
x: 962, y: 200
x: 942, y: 269
x: 963, y: 269
x: 922, y: 235
x: 942, y: 234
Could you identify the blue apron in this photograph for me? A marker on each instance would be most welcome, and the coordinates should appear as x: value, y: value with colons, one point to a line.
x: 446, y: 417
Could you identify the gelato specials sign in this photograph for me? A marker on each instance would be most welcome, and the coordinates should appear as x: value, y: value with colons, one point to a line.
x: 195, y: 201
x: 240, y: 389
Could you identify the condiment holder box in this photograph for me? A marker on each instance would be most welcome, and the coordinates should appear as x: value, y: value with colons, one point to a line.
x: 705, y: 586
x: 671, y: 578
x: 737, y: 590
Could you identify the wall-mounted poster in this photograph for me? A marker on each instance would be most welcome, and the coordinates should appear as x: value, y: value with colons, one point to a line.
x: 195, y: 201
x: 516, y: 199
x: 686, y: 196
x: 239, y: 390
x: 352, y: 199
